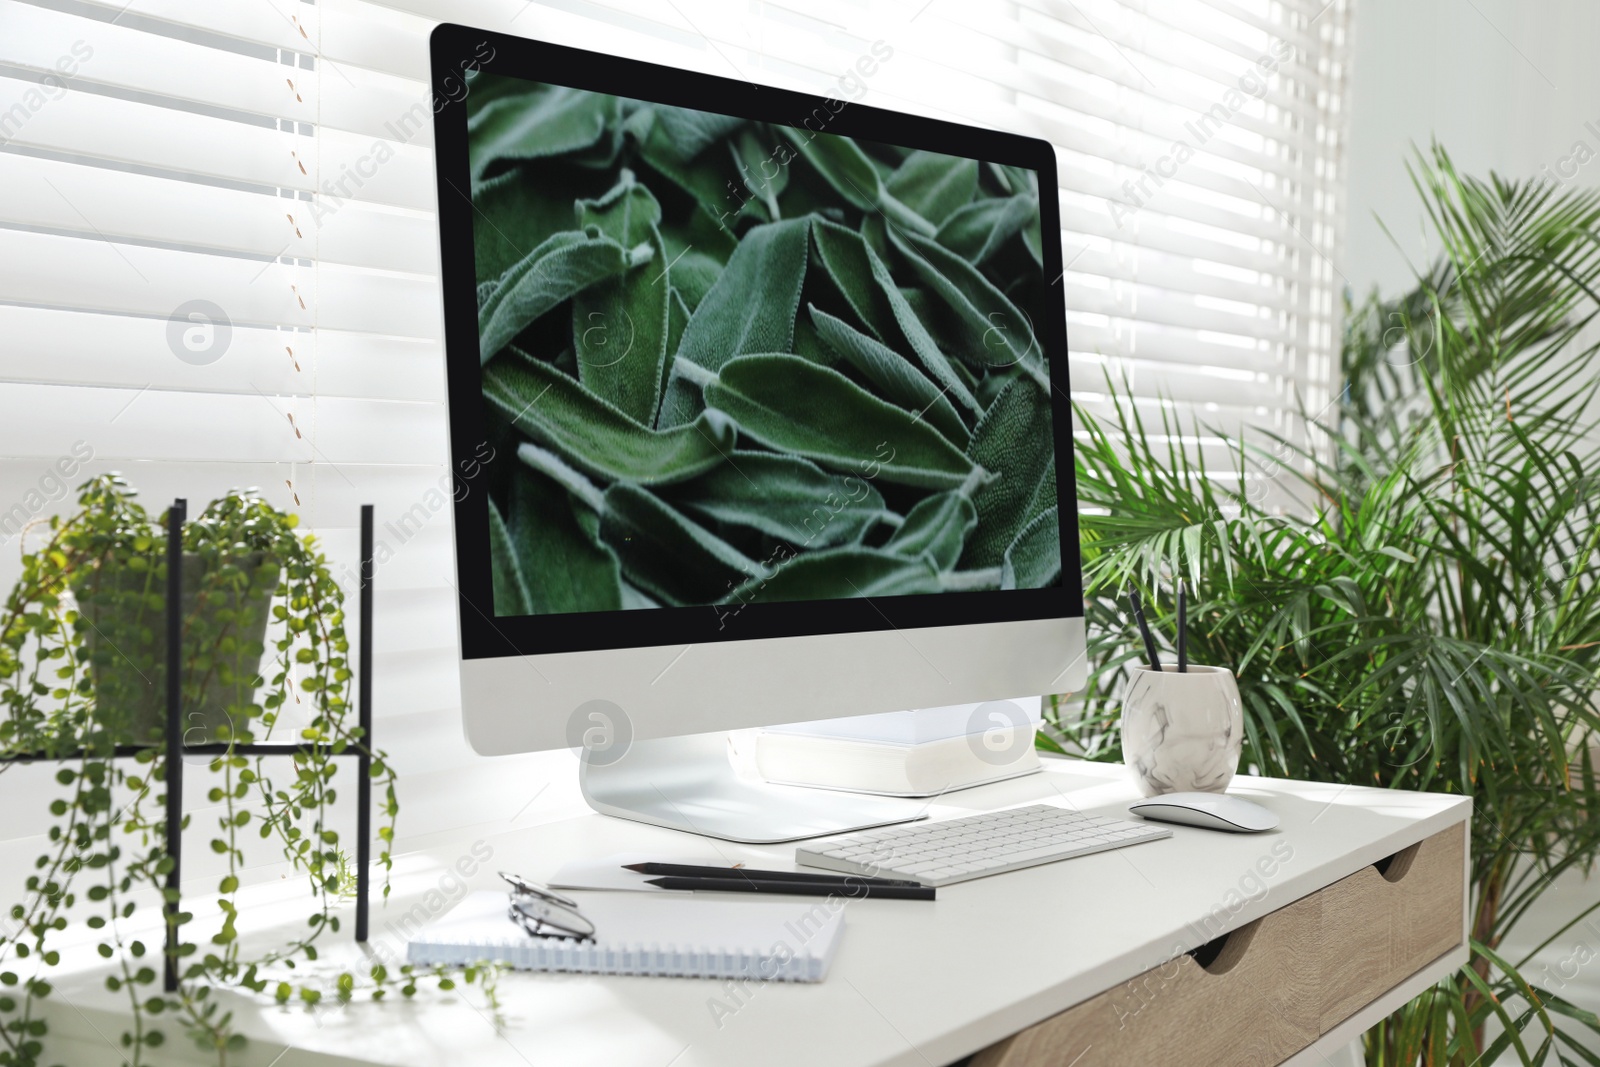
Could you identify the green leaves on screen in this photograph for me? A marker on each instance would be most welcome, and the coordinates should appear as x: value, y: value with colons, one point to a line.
x: 1003, y: 438
x: 742, y: 362
x: 838, y: 425
x: 790, y: 499
x: 551, y: 121
x: 751, y: 308
x: 620, y: 325
x: 595, y: 436
x: 559, y: 269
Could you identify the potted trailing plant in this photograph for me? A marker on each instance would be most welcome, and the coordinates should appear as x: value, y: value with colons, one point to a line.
x: 229, y: 577
x: 82, y: 672
x: 1428, y: 615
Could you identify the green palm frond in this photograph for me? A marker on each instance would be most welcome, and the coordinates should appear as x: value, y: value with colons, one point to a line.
x: 1429, y: 618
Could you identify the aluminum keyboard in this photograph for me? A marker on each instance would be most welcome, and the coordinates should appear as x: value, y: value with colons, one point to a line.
x: 974, y: 846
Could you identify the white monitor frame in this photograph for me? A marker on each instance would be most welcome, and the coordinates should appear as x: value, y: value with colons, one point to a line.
x: 620, y: 686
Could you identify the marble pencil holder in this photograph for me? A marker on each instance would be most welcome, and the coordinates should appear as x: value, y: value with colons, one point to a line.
x: 1182, y: 733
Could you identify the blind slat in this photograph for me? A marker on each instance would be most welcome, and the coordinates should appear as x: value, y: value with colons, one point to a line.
x: 45, y: 420
x: 86, y: 348
x: 93, y: 274
x: 339, y: 165
x: 1178, y: 310
x: 1165, y: 346
x: 1176, y: 274
x: 269, y: 23
x: 1156, y: 232
x: 162, y: 139
x: 1056, y: 67
x: 119, y: 57
x: 1190, y: 387
x: 354, y: 33
x: 43, y: 193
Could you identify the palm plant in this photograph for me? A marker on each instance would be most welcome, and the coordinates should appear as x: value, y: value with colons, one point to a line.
x: 1428, y: 616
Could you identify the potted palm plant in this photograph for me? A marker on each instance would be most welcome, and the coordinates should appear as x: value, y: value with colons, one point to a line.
x: 1416, y: 604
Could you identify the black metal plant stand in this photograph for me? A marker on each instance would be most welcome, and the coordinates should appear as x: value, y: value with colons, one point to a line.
x: 176, y: 749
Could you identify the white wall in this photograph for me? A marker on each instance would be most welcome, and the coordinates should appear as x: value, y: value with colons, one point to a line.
x: 1503, y: 84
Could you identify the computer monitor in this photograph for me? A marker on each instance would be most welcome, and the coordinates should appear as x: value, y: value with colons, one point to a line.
x: 758, y: 414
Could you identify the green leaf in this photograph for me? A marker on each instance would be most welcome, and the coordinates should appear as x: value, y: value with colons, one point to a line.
x: 809, y: 344
x: 751, y: 308
x: 993, y: 384
x: 588, y: 501
x: 563, y: 566
x: 487, y: 88
x: 513, y: 216
x: 1019, y: 181
x: 677, y: 322
x: 669, y: 141
x: 693, y: 272
x: 553, y: 120
x: 990, y: 333
x: 936, y: 528
x: 922, y: 343
x: 978, y: 230
x: 764, y: 176
x: 594, y: 436
x: 842, y: 254
x: 1033, y: 238
x: 875, y: 233
x: 787, y: 498
x: 895, y: 378
x: 793, y: 405
x: 933, y: 184
x: 1014, y: 438
x: 619, y: 326
x: 843, y: 165
x: 510, y: 594
x: 667, y: 554
x: 688, y: 132
x: 561, y: 267
x: 842, y: 573
x: 1033, y: 561
x: 628, y: 213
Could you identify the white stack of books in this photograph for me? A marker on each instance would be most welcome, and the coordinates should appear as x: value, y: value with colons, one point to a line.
x: 905, y: 753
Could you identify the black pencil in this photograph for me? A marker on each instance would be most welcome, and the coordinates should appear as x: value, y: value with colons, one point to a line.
x: 1144, y: 628
x: 1183, y: 626
x: 853, y: 889
x: 693, y: 870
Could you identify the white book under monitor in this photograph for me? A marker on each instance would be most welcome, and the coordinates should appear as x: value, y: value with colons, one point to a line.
x: 904, y: 753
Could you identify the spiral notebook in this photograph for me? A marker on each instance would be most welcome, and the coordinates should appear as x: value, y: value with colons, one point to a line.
x: 638, y: 933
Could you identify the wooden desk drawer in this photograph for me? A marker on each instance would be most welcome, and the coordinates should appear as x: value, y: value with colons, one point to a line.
x: 1255, y: 1004
x: 1278, y: 983
x: 1380, y: 927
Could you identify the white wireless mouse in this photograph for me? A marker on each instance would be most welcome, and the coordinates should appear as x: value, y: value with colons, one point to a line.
x: 1213, y: 811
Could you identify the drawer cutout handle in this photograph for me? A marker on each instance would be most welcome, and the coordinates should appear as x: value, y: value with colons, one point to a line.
x: 1221, y: 954
x: 1395, y: 867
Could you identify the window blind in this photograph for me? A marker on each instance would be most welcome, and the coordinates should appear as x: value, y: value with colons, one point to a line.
x: 219, y: 262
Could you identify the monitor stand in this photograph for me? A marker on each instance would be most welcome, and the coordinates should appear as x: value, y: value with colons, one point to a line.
x: 688, y: 783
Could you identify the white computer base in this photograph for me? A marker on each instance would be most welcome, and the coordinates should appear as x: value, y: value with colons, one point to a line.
x: 687, y: 783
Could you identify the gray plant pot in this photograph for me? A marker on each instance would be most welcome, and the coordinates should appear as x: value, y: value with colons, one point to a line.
x: 122, y: 608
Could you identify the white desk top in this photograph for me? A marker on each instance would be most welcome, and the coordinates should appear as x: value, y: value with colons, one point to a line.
x: 915, y: 984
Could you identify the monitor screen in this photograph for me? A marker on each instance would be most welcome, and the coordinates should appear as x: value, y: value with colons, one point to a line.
x: 748, y: 363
